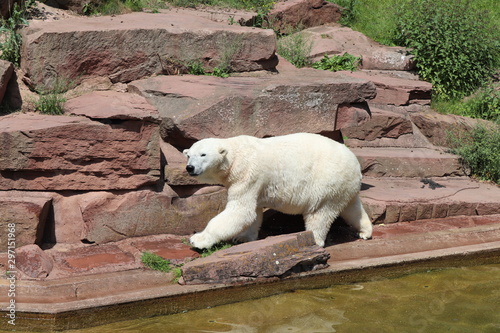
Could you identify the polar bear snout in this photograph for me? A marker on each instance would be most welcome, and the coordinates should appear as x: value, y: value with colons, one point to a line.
x: 191, y: 170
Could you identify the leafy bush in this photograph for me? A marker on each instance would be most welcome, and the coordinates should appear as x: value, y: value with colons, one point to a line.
x: 480, y: 151
x: 345, y: 62
x: 454, y: 48
x: 296, y: 49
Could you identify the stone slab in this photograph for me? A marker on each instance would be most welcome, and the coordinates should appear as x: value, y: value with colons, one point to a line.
x: 131, y: 46
x: 272, y: 257
x: 389, y: 200
x: 42, y: 152
x: 396, y: 90
x: 27, y: 212
x: 307, y: 100
x: 407, y: 162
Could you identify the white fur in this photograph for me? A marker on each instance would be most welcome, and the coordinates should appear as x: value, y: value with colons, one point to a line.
x: 300, y: 173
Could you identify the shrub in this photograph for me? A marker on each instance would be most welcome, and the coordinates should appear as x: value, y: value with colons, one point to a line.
x: 10, y: 47
x: 454, y: 48
x: 345, y: 62
x: 480, y: 151
x: 296, y: 49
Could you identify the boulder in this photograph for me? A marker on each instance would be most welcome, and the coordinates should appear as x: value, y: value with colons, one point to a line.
x: 383, y: 124
x: 42, y: 152
x: 307, y: 100
x: 6, y: 71
x: 33, y: 261
x: 131, y: 46
x: 109, y: 217
x: 440, y: 128
x: 286, y: 16
x: 334, y: 39
x: 28, y: 212
x: 396, y: 90
x: 273, y: 257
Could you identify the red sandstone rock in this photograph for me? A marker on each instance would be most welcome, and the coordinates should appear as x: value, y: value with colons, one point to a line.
x: 390, y: 200
x: 383, y: 124
x: 28, y: 212
x: 268, y: 258
x: 175, y: 173
x: 91, y: 260
x: 131, y: 46
x: 337, y: 40
x: 437, y: 127
x: 74, y: 153
x: 112, y: 105
x: 108, y: 217
x: 396, y: 90
x: 407, y: 162
x: 6, y: 71
x: 197, y: 107
x: 33, y: 261
x: 288, y: 15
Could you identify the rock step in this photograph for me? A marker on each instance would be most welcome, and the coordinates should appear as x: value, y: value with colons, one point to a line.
x: 390, y: 200
x: 131, y: 46
x: 396, y: 88
x: 407, y: 162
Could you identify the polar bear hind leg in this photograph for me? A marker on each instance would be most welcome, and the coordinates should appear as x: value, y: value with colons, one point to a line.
x: 319, y: 222
x: 354, y: 215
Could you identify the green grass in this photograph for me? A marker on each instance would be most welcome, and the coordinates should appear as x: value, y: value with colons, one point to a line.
x: 217, y: 247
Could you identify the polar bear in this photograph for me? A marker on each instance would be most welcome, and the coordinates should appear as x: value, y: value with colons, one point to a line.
x: 299, y: 173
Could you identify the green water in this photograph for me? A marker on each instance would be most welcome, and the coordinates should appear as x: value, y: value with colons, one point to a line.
x: 452, y: 300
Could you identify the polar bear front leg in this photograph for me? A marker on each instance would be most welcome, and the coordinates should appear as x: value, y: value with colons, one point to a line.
x: 252, y: 232
x: 232, y: 221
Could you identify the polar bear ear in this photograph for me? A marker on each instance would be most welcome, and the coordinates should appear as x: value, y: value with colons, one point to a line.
x: 185, y: 152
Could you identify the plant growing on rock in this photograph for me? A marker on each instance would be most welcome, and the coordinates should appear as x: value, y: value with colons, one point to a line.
x: 10, y: 39
x: 345, y: 62
x: 296, y: 49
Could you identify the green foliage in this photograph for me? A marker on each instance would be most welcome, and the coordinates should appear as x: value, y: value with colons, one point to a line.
x: 480, y: 151
x: 454, y: 48
x: 51, y: 100
x: 155, y: 262
x: 196, y: 68
x: 115, y: 7
x: 296, y: 49
x: 484, y: 104
x: 217, y: 247
x: 345, y: 62
x: 10, y: 47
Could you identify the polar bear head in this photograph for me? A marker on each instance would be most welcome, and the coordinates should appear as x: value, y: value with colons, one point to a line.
x: 207, y: 160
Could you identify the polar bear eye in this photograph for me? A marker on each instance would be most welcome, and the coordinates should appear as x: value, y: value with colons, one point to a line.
x: 203, y: 155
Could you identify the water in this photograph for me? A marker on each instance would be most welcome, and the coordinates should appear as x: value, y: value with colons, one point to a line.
x: 452, y: 300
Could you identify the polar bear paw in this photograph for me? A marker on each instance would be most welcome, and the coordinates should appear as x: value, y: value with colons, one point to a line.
x: 365, y: 235
x: 201, y: 240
